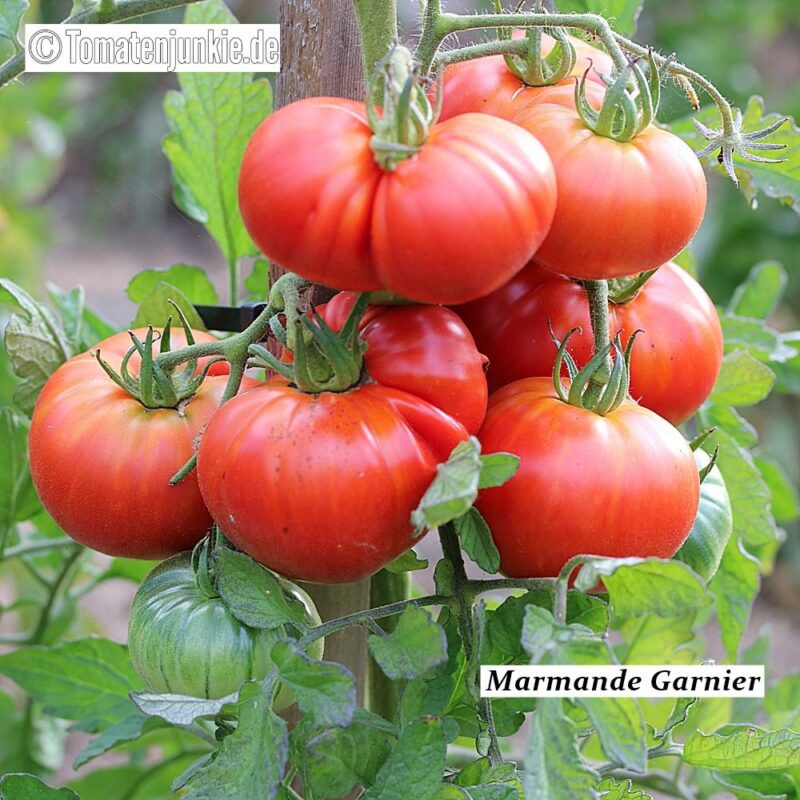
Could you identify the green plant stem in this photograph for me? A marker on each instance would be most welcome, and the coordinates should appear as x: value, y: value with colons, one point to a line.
x: 377, y: 24
x: 364, y: 617
x: 102, y: 13
x: 659, y: 751
x: 597, y: 294
x: 61, y: 581
x: 463, y: 607
x: 27, y: 548
x: 477, y: 587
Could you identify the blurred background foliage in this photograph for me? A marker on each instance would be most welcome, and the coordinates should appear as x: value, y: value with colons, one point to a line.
x: 85, y: 189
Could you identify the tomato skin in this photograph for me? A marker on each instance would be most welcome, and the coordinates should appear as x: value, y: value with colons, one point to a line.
x: 101, y: 462
x: 487, y: 86
x: 449, y: 224
x: 320, y: 487
x: 424, y: 350
x: 182, y: 641
x: 621, y: 485
x: 623, y: 207
x: 674, y: 362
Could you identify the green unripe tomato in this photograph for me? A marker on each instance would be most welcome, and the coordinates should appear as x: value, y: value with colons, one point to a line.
x: 183, y: 641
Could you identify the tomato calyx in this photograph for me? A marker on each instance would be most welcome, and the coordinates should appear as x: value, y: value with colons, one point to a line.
x: 623, y: 290
x: 155, y: 387
x: 630, y: 103
x: 322, y: 360
x: 695, y: 445
x: 588, y: 388
x: 534, y: 68
x: 401, y: 123
x: 202, y: 564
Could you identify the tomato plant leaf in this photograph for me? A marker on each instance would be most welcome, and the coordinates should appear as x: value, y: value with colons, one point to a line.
x: 758, y: 296
x: 155, y: 309
x: 713, y: 526
x: 18, y: 498
x: 19, y: 786
x: 257, y: 282
x: 325, y: 691
x: 178, y: 709
x: 555, y: 769
x: 86, y: 680
x: 82, y: 326
x: 191, y: 280
x: 476, y: 541
x: 11, y: 13
x: 454, y: 489
x: 785, y: 503
x: 408, y: 562
x: 339, y: 759
x: 782, y: 702
x: 681, y: 710
x: 128, y: 730
x: 496, y: 469
x: 659, y: 640
x: 415, y: 766
x: 211, y: 120
x: 742, y: 380
x: 254, y: 594
x: 756, y: 338
x: 622, y: 14
x: 639, y: 587
x: 611, y: 789
x: 758, y: 786
x: 35, y: 343
x: 249, y: 762
x: 731, y: 421
x: 735, y: 587
x: 744, y: 747
x: 415, y: 646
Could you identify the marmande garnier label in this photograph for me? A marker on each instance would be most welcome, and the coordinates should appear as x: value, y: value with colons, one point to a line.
x: 704, y: 680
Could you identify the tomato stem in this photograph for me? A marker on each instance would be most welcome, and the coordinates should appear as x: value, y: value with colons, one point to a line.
x: 377, y: 25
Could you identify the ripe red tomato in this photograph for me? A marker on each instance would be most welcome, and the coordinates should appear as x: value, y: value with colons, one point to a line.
x: 674, y: 362
x: 101, y: 461
x: 623, y: 207
x: 449, y: 224
x: 320, y: 487
x: 425, y: 350
x: 486, y: 85
x: 621, y: 485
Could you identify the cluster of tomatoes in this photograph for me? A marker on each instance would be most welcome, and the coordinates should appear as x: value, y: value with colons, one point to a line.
x: 486, y: 225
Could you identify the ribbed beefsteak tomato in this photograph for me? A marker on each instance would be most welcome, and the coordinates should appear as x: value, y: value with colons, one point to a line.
x: 101, y: 461
x: 619, y: 485
x: 674, y: 362
x: 449, y: 224
x: 320, y: 487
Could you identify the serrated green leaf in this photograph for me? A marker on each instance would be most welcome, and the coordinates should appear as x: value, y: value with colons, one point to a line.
x: 497, y: 468
x: 747, y: 747
x: 415, y: 646
x: 325, y: 692
x: 639, y: 587
x: 211, y: 120
x: 735, y: 587
x: 19, y: 786
x: 253, y: 594
x: 611, y: 789
x: 476, y: 541
x: 454, y: 489
x: 659, y: 640
x: 190, y: 280
x: 18, y: 499
x: 11, y: 13
x: 339, y: 759
x: 555, y: 768
x: 622, y: 14
x: 731, y: 421
x: 250, y: 762
x: 178, y: 709
x: 713, y: 526
x: 762, y: 290
x: 128, y: 730
x: 156, y: 309
x: 415, y: 767
x: 785, y: 502
x: 35, y: 343
x: 86, y: 680
x: 757, y: 338
x: 82, y: 326
x: 742, y: 380
x: 408, y: 562
x: 758, y: 786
